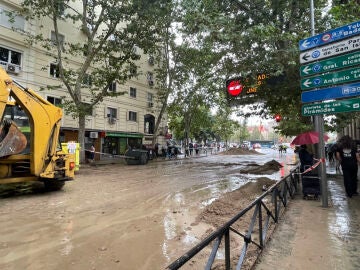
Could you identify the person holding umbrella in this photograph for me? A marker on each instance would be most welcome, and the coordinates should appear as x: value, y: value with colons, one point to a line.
x: 306, y: 159
x: 309, y: 137
x: 349, y: 158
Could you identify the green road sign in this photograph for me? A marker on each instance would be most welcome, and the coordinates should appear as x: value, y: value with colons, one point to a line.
x: 335, y: 78
x: 343, y: 105
x: 343, y: 61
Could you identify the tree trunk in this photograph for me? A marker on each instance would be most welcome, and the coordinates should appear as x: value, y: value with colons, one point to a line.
x: 81, y: 138
x: 158, y: 121
x: 187, y: 129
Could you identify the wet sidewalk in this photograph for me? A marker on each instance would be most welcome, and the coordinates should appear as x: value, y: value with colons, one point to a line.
x: 310, y: 236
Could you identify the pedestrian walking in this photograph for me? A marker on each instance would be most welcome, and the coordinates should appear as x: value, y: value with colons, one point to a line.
x: 156, y: 150
x: 92, y: 152
x: 196, y: 147
x: 349, y: 158
x: 191, y: 148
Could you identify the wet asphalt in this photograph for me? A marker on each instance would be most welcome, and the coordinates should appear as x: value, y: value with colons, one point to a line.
x: 310, y: 236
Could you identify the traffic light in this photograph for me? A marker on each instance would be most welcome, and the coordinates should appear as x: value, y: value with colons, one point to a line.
x: 278, y: 118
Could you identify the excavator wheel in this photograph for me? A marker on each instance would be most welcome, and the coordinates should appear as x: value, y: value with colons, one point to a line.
x: 53, y: 185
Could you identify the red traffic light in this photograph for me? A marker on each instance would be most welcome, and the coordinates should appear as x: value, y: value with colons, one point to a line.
x: 278, y: 118
x: 234, y: 87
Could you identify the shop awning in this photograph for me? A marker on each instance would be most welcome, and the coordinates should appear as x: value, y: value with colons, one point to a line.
x: 124, y: 135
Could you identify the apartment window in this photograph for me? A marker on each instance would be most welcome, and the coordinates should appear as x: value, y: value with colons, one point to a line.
x: 150, y: 78
x: 61, y: 39
x: 133, y: 70
x: 132, y: 116
x: 54, y: 100
x: 150, y: 100
x: 10, y: 57
x: 133, y: 92
x: 60, y: 8
x: 54, y: 70
x: 112, y: 87
x: 87, y: 80
x: 11, y: 20
x: 111, y: 112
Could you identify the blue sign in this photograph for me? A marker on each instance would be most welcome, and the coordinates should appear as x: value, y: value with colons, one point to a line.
x: 330, y: 36
x: 342, y: 91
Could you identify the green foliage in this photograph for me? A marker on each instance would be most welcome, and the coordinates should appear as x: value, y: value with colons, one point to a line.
x: 251, y: 37
x: 224, y: 128
x: 345, y: 11
x: 110, y: 30
x: 105, y: 47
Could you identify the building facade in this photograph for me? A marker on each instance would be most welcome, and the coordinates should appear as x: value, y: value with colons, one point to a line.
x: 116, y: 122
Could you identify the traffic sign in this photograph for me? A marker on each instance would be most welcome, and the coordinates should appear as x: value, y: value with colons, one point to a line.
x: 340, y: 77
x: 343, y: 61
x: 344, y: 105
x: 341, y: 91
x: 234, y: 87
x: 344, y: 46
x: 342, y: 32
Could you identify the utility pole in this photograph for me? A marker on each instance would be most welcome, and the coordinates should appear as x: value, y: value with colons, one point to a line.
x: 319, y: 127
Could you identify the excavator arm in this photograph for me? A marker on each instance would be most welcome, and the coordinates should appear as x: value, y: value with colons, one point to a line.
x: 44, y: 159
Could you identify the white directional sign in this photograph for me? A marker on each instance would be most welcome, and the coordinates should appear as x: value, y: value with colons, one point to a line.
x: 344, y: 46
x: 330, y: 64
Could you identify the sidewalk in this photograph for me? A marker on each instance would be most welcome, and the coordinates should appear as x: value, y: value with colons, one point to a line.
x: 310, y: 236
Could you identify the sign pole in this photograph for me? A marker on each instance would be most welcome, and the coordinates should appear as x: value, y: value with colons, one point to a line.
x: 319, y: 127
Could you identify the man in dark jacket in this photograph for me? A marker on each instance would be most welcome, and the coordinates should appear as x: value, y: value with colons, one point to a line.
x: 349, y: 158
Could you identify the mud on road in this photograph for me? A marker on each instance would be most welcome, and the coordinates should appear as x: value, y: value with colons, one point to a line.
x: 123, y: 217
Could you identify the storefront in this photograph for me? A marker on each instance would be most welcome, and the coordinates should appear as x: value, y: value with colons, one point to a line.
x: 117, y: 143
x: 113, y: 143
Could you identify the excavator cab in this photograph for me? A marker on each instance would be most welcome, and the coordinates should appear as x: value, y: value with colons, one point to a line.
x: 29, y: 138
x: 14, y: 132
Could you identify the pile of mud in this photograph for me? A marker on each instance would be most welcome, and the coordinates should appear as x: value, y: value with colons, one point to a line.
x: 268, y: 168
x: 226, y: 207
x: 240, y: 151
x: 231, y: 203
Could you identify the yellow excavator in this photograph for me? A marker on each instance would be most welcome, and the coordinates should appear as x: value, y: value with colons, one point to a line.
x: 29, y: 138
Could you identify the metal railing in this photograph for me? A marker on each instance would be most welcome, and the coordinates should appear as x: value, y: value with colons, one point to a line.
x: 280, y: 194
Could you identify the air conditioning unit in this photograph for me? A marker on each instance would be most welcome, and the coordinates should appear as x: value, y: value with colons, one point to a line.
x: 111, y: 120
x: 3, y: 64
x: 13, y: 68
x: 93, y: 135
x: 150, y: 104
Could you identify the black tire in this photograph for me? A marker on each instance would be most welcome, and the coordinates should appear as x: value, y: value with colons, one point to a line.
x: 143, y: 158
x: 53, y: 185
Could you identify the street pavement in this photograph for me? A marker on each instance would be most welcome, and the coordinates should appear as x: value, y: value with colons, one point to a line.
x: 310, y: 236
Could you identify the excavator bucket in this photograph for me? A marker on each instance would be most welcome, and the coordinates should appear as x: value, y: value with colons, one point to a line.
x: 12, y: 140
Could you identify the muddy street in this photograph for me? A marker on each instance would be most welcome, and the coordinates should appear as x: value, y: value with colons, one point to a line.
x: 121, y: 217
